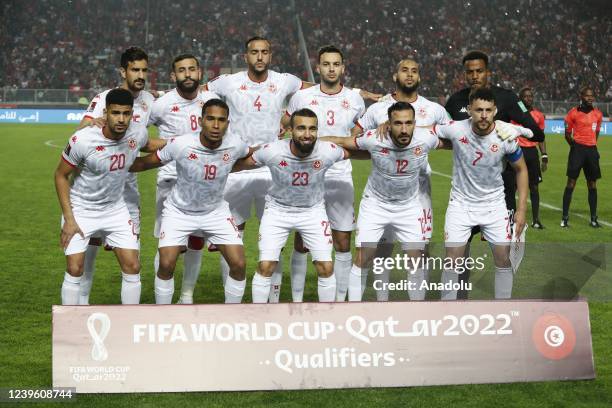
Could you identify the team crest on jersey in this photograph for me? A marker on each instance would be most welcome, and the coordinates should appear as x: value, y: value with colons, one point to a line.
x: 74, y: 139
x: 283, y: 163
x: 136, y: 118
x: 494, y: 148
x: 418, y: 151
x: 132, y: 143
x: 422, y: 112
x: 144, y: 106
x: 192, y: 156
x: 175, y: 108
x: 316, y: 165
x: 464, y: 140
x: 346, y: 104
x: 272, y: 88
x: 384, y: 151
x: 100, y: 148
x: 226, y: 157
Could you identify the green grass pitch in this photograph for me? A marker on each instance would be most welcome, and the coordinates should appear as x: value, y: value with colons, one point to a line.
x: 33, y: 266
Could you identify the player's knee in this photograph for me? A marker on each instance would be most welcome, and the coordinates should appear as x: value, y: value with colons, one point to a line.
x: 266, y: 268
x: 592, y: 184
x: 166, y: 267
x: 196, y: 243
x: 131, y: 266
x: 74, y: 268
x: 325, y: 269
x: 571, y: 183
x: 238, y: 266
x: 342, y: 244
x: 533, y: 188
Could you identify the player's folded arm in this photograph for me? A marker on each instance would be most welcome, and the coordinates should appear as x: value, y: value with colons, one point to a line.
x: 247, y: 163
x: 153, y: 145
x: 147, y: 162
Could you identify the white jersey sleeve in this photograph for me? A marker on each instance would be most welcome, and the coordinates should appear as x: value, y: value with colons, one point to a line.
x: 96, y: 106
x: 292, y: 83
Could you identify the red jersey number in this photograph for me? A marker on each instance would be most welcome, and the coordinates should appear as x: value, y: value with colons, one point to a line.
x: 117, y: 162
x: 300, y: 179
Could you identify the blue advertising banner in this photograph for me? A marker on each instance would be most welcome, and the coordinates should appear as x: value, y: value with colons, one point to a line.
x: 41, y: 115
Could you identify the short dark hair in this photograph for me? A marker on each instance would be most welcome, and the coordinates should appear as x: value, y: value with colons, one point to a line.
x: 215, y: 102
x: 525, y: 89
x: 586, y: 88
x: 399, y: 106
x: 397, y: 66
x: 330, y: 49
x: 255, y: 38
x: 484, y: 94
x: 119, y: 96
x: 305, y: 112
x: 133, y: 54
x: 184, y: 57
x: 476, y: 55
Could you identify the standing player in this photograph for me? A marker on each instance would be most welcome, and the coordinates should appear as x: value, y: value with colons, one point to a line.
x: 407, y: 80
x: 134, y: 70
x: 178, y: 113
x: 99, y: 160
x: 532, y: 160
x: 337, y: 108
x: 295, y: 201
x: 509, y: 109
x: 390, y: 198
x: 195, y: 204
x: 477, y: 191
x: 582, y: 125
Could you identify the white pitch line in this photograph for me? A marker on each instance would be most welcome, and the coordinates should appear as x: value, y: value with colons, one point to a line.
x: 50, y: 144
x: 545, y: 205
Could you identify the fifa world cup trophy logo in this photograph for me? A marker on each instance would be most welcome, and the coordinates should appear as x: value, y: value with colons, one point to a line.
x: 98, y: 351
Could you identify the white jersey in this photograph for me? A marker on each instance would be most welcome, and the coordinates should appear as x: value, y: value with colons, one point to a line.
x: 176, y: 116
x: 143, y: 104
x: 103, y: 166
x: 297, y: 182
x: 427, y: 113
x: 201, y: 172
x: 336, y: 113
x: 395, y: 170
x: 256, y: 107
x: 477, y: 163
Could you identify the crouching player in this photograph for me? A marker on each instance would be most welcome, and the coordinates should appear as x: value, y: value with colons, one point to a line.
x: 195, y: 204
x: 477, y: 192
x: 99, y: 159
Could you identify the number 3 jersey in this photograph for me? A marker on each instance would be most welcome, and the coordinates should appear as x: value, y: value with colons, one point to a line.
x: 176, y: 116
x: 201, y: 172
x: 103, y: 166
x: 297, y: 182
x: 477, y: 163
x: 395, y: 170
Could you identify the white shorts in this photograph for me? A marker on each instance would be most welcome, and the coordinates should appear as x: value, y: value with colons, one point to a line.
x: 311, y: 223
x: 132, y: 201
x: 494, y: 223
x: 114, y: 226
x: 244, y: 189
x: 339, y: 203
x: 401, y: 221
x: 217, y: 227
x: 163, y: 190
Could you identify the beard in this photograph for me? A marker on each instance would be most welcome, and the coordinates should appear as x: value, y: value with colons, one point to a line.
x: 188, y: 88
x: 305, y: 149
x: 137, y: 85
x: 407, y: 89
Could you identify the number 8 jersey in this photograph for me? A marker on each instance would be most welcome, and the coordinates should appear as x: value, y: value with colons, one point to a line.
x: 103, y: 166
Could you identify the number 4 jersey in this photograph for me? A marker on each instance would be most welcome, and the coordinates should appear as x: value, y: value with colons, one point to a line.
x: 477, y: 163
x: 103, y: 166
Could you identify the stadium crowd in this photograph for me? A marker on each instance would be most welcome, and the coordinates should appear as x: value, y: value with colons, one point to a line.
x: 70, y: 43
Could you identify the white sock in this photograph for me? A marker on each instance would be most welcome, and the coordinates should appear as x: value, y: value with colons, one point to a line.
x: 164, y: 289
x: 275, y: 284
x: 70, y: 289
x: 356, y: 285
x: 382, y: 294
x: 326, y: 287
x: 298, y: 275
x: 416, y: 279
x: 449, y: 275
x: 342, y: 268
x: 224, y: 269
x: 503, y: 283
x: 130, y: 289
x: 192, y: 263
x: 156, y: 262
x: 260, y: 288
x: 234, y: 290
x: 89, y: 268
